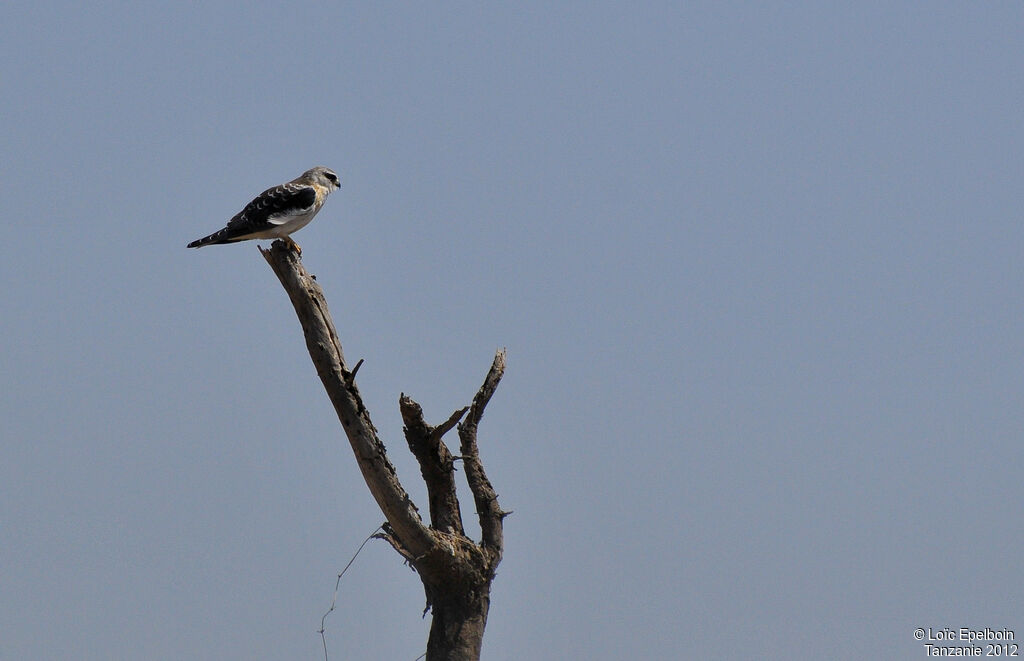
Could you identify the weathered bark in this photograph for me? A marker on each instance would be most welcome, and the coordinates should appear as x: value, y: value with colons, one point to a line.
x: 436, y: 464
x: 456, y: 572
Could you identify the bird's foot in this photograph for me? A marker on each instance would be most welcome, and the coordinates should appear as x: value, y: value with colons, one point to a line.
x: 294, y: 246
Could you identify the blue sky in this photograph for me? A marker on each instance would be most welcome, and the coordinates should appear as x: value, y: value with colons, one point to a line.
x: 757, y: 268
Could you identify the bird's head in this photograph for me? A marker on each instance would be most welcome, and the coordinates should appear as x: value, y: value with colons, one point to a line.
x: 322, y: 176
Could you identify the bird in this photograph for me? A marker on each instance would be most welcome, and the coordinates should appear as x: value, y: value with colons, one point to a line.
x: 277, y: 212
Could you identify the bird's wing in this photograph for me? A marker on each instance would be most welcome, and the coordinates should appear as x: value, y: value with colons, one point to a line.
x: 272, y: 207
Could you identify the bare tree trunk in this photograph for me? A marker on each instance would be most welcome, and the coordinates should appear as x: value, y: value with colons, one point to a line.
x: 456, y: 571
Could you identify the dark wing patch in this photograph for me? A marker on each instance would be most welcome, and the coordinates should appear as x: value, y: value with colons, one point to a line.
x: 272, y: 202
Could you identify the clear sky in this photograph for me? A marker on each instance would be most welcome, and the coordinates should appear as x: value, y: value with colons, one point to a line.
x: 757, y: 267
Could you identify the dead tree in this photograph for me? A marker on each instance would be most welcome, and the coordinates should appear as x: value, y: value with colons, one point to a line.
x: 456, y: 571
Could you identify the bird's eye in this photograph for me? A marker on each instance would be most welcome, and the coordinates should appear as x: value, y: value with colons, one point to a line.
x: 333, y: 177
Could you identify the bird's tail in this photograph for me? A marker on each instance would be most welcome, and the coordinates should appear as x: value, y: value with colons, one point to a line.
x: 220, y: 236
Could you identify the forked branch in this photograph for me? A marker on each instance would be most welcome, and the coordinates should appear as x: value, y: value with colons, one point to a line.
x: 456, y: 572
